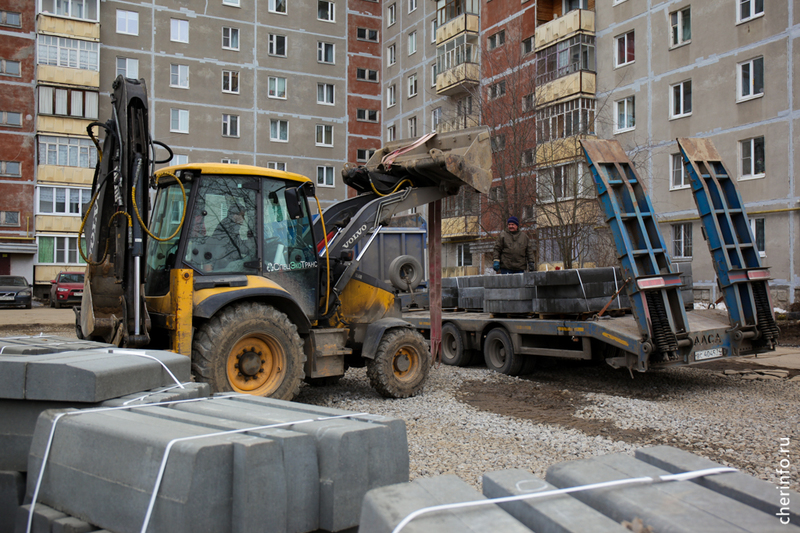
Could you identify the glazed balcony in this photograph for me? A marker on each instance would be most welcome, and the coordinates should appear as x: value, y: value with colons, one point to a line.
x: 578, y: 20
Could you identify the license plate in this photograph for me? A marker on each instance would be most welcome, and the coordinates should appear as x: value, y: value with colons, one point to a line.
x: 708, y: 354
x: 79, y: 293
x: 5, y: 298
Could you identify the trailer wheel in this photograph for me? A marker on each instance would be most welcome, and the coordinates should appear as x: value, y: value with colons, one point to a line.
x: 250, y: 348
x: 405, y: 272
x: 453, y: 350
x: 498, y: 352
x: 401, y: 364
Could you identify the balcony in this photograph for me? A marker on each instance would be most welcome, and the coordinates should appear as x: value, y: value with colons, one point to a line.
x: 578, y: 20
x: 465, y: 23
x: 458, y: 79
x: 460, y: 227
x: 577, y: 83
x: 457, y: 65
x: 68, y: 27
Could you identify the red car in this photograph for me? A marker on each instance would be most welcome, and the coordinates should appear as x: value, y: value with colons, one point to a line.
x: 67, y: 288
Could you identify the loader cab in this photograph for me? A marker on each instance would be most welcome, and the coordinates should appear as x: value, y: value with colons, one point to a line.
x: 237, y: 222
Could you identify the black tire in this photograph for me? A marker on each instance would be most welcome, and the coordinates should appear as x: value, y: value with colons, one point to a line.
x: 250, y: 348
x: 52, y: 302
x: 529, y: 365
x: 401, y: 364
x: 29, y: 305
x: 498, y: 352
x: 327, y: 381
x: 405, y: 272
x: 56, y: 304
x: 453, y: 350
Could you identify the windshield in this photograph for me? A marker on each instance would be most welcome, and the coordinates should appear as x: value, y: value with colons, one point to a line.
x: 70, y: 278
x: 13, y: 281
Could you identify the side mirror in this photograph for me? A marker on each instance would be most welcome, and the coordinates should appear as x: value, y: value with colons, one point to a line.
x: 293, y: 202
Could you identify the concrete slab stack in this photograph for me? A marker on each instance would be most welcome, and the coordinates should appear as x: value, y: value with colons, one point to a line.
x: 471, y: 292
x: 449, y: 293
x: 576, y: 291
x: 507, y: 294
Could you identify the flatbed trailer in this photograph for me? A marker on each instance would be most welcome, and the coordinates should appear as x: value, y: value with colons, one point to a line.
x: 657, y: 331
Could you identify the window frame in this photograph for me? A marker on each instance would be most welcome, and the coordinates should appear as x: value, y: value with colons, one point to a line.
x: 367, y: 32
x: 759, y: 235
x: 274, y: 165
x: 677, y: 29
x: 675, y: 164
x: 273, y: 4
x: 181, y: 113
x: 496, y: 40
x: 391, y: 96
x: 127, y: 21
x: 230, y: 123
x: 627, y: 42
x: 363, y: 115
x: 4, y: 68
x: 324, y: 86
x: 412, y: 85
x: 366, y: 75
x: 368, y: 153
x: 751, y: 63
x: 682, y: 243
x: 391, y: 133
x: 279, y: 122
x: 680, y: 99
x: 331, y: 11
x: 391, y: 15
x: 411, y: 126
x: 322, y: 49
x: 275, y: 94
x: 323, y: 133
x: 232, y: 74
x: 632, y: 106
x: 751, y: 142
x: 128, y: 61
x: 391, y: 52
x: 753, y: 15
x: 175, y: 30
x: 69, y: 250
x: 412, y: 6
x: 84, y: 193
x: 412, y: 43
x: 272, y: 45
x: 171, y: 74
x: 326, y: 170
x: 233, y: 35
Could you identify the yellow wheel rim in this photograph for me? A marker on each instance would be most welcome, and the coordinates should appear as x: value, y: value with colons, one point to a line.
x: 406, y: 364
x: 256, y: 365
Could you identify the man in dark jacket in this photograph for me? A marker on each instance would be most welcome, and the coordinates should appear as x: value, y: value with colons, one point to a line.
x: 513, y: 251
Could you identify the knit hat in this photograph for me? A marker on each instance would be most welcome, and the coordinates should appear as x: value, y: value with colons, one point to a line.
x: 513, y: 219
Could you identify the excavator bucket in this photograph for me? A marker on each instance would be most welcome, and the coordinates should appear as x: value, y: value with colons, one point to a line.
x: 451, y: 159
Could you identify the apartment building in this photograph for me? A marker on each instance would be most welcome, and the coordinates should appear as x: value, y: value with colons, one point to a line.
x: 288, y: 85
x: 722, y: 70
x: 17, y: 143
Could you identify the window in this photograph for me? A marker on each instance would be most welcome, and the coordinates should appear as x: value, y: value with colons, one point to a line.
x: 60, y: 250
x: 412, y: 127
x: 391, y: 54
x: 751, y: 154
x: 464, y: 117
x: 10, y: 118
x: 9, y: 218
x: 367, y: 115
x: 325, y: 176
x: 497, y: 90
x: 412, y: 42
x: 678, y: 172
x: 67, y: 151
x: 527, y: 45
x: 9, y: 68
x: 68, y: 102
x: 434, y: 27
x: 232, y: 3
x: 230, y: 125
x: 63, y: 200
x: 324, y: 135
x: 682, y: 240
x: 757, y: 228
x: 277, y: 165
x: 563, y: 182
x: 412, y: 5
x: 463, y: 255
x: 325, y: 93
x: 749, y: 9
x: 279, y: 130
x: 571, y: 5
x: 563, y: 58
x: 363, y: 154
x: 277, y: 45
x: 751, y: 79
x: 391, y: 14
x: 391, y: 97
x: 180, y: 159
x: 681, y: 98
x: 127, y: 22
x: 179, y: 120
x: 276, y: 87
x: 10, y: 18
x: 10, y: 168
x: 128, y: 67
x: 412, y: 85
x: 681, y: 26
x: 625, y: 117
x: 498, y: 143
x: 498, y: 39
x: 528, y: 158
x: 325, y: 11
x: 325, y: 52
x: 77, y: 9
x: 366, y: 74
x: 433, y: 75
x: 277, y: 6
x: 230, y: 81
x: 71, y: 53
x: 230, y: 38
x: 179, y: 76
x: 391, y: 133
x: 366, y: 34
x: 436, y: 118
x: 179, y: 30
x: 625, y: 49
x: 229, y: 161
x: 529, y: 102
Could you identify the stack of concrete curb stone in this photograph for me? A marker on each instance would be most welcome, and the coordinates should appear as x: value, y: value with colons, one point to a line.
x: 507, y: 294
x: 577, y: 291
x: 463, y: 292
x: 729, y: 502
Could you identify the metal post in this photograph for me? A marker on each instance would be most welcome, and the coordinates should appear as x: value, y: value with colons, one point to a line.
x: 435, y: 274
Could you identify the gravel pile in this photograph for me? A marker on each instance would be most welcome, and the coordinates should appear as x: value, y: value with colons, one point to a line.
x: 730, y: 420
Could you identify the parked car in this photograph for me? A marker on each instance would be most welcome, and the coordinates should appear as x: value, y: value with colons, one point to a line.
x: 15, y: 291
x: 67, y: 288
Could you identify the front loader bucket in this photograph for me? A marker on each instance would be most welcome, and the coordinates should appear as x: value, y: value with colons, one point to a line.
x: 454, y: 158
